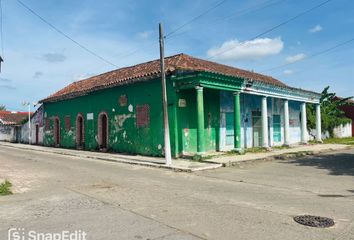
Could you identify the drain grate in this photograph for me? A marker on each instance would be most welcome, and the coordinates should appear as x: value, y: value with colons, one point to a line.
x: 314, y: 221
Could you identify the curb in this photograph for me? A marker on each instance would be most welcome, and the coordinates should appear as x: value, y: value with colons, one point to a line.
x: 284, y: 156
x: 131, y: 162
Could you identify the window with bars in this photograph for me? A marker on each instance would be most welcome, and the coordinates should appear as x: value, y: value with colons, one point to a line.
x: 67, y: 123
x: 47, y: 124
x: 142, y: 115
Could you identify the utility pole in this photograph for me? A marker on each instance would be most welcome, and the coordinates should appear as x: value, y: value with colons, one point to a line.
x: 29, y: 120
x: 29, y: 124
x: 164, y: 99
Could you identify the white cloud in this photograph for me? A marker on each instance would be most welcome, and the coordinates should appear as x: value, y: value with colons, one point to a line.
x: 144, y: 34
x: 315, y: 29
x: 248, y: 50
x: 38, y: 74
x: 8, y: 87
x: 78, y: 77
x: 54, y: 57
x: 296, y: 58
x: 288, y: 72
x: 5, y: 80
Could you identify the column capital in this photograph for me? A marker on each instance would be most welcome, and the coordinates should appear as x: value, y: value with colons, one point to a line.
x: 199, y: 88
x: 236, y: 93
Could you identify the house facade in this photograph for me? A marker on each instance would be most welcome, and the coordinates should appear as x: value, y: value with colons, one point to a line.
x: 348, y: 110
x: 10, y: 125
x: 211, y: 107
x: 34, y: 134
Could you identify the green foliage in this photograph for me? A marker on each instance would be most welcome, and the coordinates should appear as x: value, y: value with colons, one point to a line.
x: 2, y: 107
x: 347, y: 141
x: 5, y: 188
x: 331, y: 114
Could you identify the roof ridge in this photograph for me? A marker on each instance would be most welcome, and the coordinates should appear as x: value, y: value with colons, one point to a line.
x: 227, y: 66
x: 127, y: 67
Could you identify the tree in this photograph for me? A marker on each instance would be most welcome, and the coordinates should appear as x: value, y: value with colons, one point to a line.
x: 331, y: 114
x: 2, y: 107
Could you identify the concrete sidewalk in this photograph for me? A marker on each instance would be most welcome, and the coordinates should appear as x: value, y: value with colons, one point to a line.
x: 177, y: 164
x: 292, y: 152
x: 189, y: 165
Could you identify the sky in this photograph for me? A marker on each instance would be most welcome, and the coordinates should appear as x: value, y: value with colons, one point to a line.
x: 39, y: 61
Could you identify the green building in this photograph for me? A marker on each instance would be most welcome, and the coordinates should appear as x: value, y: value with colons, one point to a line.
x: 212, y: 107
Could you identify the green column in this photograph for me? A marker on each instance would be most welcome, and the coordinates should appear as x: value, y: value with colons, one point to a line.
x: 237, y: 122
x: 200, y: 120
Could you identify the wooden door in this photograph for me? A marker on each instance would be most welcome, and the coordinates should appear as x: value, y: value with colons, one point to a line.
x: 257, y: 128
x: 104, y: 131
x: 37, y: 134
x: 229, y: 122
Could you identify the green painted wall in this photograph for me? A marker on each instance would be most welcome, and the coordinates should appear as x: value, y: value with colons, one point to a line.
x: 124, y: 135
x: 187, y: 122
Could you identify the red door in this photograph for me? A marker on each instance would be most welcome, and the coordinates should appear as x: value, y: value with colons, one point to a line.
x: 104, y: 132
x: 80, y: 132
x: 37, y: 134
x: 57, y: 132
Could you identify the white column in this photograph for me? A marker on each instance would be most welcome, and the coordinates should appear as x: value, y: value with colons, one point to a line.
x: 265, y: 123
x: 318, y: 123
x: 303, y: 123
x: 286, y: 123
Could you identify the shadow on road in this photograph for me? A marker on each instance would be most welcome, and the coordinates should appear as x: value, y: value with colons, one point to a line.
x: 338, y: 164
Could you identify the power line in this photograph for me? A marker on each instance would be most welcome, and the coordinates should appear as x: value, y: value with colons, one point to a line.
x: 239, y: 13
x: 172, y: 33
x: 66, y: 35
x: 195, y: 18
x: 275, y: 27
x: 248, y: 10
x: 312, y: 55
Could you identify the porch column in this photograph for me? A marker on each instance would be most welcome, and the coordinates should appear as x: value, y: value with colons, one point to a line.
x: 286, y: 123
x: 237, y: 122
x: 265, y: 123
x: 318, y: 123
x: 303, y: 123
x: 200, y: 120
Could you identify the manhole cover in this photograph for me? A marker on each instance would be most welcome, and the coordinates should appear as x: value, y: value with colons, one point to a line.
x: 314, y: 221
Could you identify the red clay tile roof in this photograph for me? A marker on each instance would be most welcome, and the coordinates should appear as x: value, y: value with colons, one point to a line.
x: 12, y: 118
x: 349, y: 101
x: 145, y: 70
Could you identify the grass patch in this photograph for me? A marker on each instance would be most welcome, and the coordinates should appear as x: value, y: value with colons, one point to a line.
x: 5, y: 188
x: 280, y: 147
x: 347, y: 141
x: 256, y: 150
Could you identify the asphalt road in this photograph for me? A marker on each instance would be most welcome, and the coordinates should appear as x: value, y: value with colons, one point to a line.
x: 115, y: 201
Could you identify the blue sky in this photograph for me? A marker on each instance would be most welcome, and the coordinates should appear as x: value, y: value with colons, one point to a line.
x: 39, y: 61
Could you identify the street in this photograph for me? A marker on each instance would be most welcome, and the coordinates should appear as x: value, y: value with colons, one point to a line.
x: 111, y: 200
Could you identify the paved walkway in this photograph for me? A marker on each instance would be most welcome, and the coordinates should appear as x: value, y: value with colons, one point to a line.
x: 188, y: 165
x: 294, y: 151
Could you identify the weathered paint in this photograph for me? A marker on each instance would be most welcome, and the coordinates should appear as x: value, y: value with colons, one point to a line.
x: 9, y: 133
x: 124, y: 135
x: 36, y: 122
x: 213, y: 106
x: 237, y: 121
x: 200, y: 120
x: 187, y: 120
x: 252, y: 103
